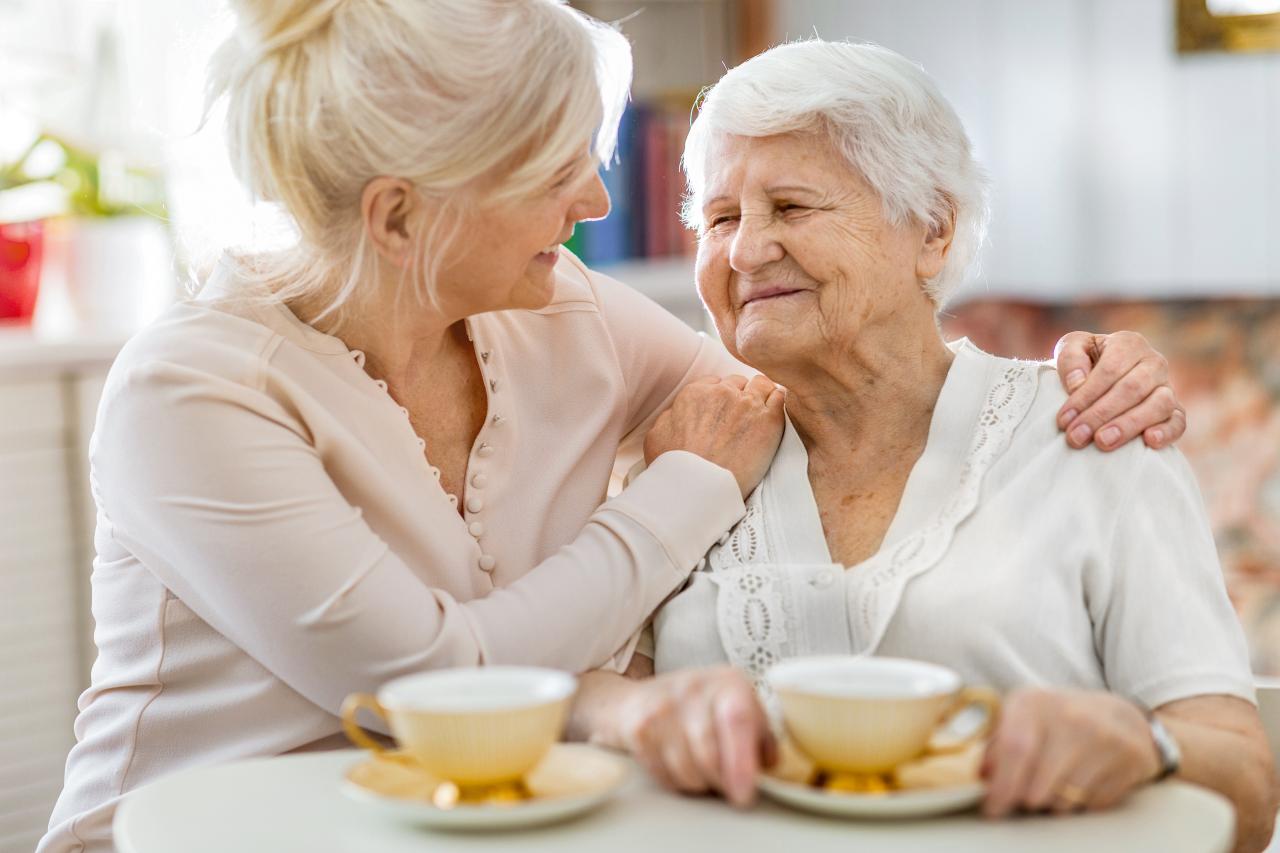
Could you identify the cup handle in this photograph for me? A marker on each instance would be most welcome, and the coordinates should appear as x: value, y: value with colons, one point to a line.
x: 988, y: 699
x: 357, y: 735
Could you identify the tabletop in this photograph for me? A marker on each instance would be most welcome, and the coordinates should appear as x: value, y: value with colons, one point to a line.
x: 293, y: 803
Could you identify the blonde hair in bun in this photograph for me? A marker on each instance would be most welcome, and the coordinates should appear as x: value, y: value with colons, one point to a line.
x: 325, y: 95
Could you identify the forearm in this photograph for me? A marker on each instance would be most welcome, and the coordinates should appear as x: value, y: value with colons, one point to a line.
x: 1236, y: 764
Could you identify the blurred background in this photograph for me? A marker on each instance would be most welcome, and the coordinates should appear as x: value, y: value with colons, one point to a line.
x: 1133, y: 148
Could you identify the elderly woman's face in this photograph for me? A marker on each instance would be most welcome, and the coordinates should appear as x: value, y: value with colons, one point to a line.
x: 795, y: 258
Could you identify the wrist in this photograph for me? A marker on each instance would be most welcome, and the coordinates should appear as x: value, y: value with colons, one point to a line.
x: 1168, y: 757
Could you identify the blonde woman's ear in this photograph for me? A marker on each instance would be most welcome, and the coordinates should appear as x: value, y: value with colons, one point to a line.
x: 388, y: 206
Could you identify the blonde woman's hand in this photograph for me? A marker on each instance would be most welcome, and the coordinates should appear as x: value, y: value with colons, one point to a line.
x: 1119, y: 387
x: 700, y: 730
x: 733, y: 422
x: 1065, y: 751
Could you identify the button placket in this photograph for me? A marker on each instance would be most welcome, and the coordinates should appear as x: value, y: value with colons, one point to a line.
x: 359, y: 358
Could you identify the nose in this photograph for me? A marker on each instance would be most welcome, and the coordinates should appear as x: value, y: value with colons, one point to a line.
x: 753, y: 244
x: 592, y: 201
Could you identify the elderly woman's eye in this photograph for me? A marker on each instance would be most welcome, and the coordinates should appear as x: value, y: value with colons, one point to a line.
x: 717, y: 221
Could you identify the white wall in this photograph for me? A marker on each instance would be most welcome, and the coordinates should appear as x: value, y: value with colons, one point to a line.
x: 1120, y: 167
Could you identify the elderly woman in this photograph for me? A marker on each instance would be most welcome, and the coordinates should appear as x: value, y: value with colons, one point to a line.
x: 921, y: 504
x: 386, y: 448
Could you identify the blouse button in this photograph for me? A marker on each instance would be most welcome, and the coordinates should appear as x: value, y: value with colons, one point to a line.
x: 487, y: 562
x: 493, y: 386
x: 435, y: 472
x: 497, y: 420
x: 484, y: 356
x: 823, y: 579
x: 485, y: 449
x: 479, y: 481
x: 422, y: 444
x: 474, y: 504
x: 476, y: 529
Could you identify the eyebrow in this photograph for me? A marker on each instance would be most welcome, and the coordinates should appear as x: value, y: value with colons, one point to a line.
x: 782, y: 189
x: 790, y: 188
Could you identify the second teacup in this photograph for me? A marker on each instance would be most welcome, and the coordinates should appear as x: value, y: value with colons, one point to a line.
x: 474, y: 726
x: 869, y: 714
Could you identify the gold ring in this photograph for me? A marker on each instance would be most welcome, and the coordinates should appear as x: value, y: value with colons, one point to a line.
x: 1073, y: 794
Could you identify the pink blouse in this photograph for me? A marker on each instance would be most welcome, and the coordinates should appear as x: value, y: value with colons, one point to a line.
x: 271, y: 536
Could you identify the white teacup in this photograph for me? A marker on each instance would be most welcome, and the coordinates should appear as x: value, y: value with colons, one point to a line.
x: 869, y: 714
x: 474, y: 726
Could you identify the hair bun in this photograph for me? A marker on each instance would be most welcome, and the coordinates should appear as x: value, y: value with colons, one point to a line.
x: 272, y: 25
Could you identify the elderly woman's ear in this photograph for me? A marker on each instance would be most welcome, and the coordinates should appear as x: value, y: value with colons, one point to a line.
x: 387, y: 206
x: 937, y: 242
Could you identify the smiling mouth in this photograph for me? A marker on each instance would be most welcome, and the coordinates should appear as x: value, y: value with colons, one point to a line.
x: 771, y: 294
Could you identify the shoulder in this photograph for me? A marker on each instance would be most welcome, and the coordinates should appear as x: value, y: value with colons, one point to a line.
x: 194, y: 357
x: 194, y: 338
x: 1037, y: 443
x: 577, y: 286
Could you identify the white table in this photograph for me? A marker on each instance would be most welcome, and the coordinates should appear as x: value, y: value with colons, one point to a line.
x: 292, y: 803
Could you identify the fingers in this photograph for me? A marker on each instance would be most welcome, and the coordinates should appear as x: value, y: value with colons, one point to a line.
x: 738, y: 722
x: 1011, y: 757
x: 1165, y: 434
x: 735, y: 381
x: 681, y: 766
x: 704, y: 749
x: 1117, y: 395
x: 1156, y: 409
x: 1062, y: 781
x: 1075, y: 354
x: 760, y: 388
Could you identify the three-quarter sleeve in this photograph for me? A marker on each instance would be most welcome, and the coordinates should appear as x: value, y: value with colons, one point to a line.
x: 217, y: 489
x: 657, y: 353
x: 1163, y: 624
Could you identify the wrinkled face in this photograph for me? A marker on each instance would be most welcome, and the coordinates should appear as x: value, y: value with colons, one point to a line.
x: 796, y: 259
x: 507, y: 251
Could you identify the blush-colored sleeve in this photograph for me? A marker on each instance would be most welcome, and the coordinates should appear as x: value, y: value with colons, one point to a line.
x: 657, y: 356
x: 1163, y: 624
x: 217, y: 490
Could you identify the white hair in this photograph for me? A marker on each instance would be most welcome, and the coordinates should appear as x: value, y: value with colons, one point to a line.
x: 325, y: 95
x: 880, y: 111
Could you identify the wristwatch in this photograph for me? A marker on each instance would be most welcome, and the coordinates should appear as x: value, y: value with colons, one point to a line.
x: 1170, y: 755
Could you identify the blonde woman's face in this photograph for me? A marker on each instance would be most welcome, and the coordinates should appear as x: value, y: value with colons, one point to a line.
x: 507, y: 256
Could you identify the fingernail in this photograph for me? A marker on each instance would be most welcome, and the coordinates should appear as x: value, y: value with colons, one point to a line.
x: 1109, y: 436
x: 1081, y: 434
x: 1157, y: 436
x: 1074, y: 378
x: 1067, y: 417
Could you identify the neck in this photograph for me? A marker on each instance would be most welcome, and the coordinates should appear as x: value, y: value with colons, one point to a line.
x: 400, y: 342
x: 869, y: 402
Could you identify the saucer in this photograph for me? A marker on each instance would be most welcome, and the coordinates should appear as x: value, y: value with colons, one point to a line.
x: 921, y: 802
x: 572, y: 779
x: 930, y: 785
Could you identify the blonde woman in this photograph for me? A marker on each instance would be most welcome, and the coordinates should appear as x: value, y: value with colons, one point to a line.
x: 388, y: 448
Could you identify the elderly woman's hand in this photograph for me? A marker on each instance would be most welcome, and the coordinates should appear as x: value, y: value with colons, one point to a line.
x: 700, y: 730
x: 732, y: 422
x: 1119, y: 387
x: 1064, y: 751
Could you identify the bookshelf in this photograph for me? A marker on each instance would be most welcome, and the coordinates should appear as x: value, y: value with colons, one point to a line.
x: 679, y: 47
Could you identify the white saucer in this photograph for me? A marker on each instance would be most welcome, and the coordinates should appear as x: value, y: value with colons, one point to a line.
x: 571, y: 780
x: 921, y: 802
